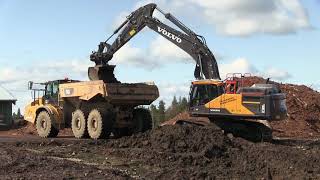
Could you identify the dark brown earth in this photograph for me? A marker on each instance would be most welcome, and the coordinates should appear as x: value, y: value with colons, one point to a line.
x: 170, y: 152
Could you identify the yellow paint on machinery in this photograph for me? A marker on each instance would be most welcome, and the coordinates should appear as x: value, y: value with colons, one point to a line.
x: 116, y: 93
x: 84, y: 90
x: 32, y: 110
x: 230, y: 102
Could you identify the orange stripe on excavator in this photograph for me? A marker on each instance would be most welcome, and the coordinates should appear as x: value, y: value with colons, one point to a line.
x: 231, y: 102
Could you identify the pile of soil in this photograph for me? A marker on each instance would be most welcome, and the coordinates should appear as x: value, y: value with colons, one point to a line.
x: 303, y: 105
x: 169, y: 152
x: 200, y: 152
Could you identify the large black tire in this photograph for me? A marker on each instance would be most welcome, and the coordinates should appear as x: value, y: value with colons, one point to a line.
x: 79, y: 124
x: 99, y: 124
x: 142, y: 120
x: 45, y: 126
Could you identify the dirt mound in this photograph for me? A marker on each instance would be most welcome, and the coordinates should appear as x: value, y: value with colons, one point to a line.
x: 169, y: 152
x: 202, y: 152
x: 176, y: 139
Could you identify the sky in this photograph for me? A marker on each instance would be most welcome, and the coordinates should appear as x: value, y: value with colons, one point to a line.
x: 44, y: 40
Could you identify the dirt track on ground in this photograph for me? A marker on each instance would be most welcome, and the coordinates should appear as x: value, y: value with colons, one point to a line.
x: 163, y: 153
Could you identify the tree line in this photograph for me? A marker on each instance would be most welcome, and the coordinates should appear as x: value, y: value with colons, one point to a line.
x: 161, y: 113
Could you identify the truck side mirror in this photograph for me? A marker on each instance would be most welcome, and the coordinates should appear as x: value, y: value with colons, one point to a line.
x: 30, y: 85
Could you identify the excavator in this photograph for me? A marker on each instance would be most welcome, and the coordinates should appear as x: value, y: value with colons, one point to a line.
x: 243, y: 111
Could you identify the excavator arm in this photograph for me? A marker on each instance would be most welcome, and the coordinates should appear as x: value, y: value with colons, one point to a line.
x: 187, y: 40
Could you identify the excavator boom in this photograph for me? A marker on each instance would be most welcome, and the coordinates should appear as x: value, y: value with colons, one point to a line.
x: 186, y: 39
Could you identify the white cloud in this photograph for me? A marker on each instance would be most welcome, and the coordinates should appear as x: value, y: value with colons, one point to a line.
x: 246, y: 17
x: 133, y: 56
x: 239, y: 65
x: 120, y: 19
x: 242, y: 65
x: 240, y: 17
x: 161, y: 48
x: 276, y: 74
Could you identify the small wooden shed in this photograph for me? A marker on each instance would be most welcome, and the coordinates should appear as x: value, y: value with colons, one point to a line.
x: 6, y: 101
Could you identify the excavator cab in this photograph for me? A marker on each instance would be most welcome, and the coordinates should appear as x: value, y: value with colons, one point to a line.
x: 202, y: 92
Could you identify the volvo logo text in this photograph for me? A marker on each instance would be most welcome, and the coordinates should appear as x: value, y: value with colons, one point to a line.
x: 169, y: 35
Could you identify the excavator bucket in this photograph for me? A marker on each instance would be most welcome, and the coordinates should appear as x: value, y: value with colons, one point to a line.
x: 104, y: 73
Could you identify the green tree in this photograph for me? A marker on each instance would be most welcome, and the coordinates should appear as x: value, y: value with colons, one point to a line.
x: 162, y: 111
x: 155, y: 115
x: 172, y: 110
x: 184, y: 104
x: 174, y: 102
x: 14, y: 116
x: 19, y: 114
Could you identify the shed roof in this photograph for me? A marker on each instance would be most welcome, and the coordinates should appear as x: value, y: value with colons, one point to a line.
x: 5, y: 95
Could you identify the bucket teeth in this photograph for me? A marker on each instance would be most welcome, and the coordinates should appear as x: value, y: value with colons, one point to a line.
x: 104, y: 73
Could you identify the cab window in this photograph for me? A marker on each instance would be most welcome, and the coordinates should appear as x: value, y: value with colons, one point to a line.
x: 52, y: 90
x: 202, y: 94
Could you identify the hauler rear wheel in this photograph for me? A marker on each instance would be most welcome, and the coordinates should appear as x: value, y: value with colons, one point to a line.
x: 98, y: 124
x: 79, y: 124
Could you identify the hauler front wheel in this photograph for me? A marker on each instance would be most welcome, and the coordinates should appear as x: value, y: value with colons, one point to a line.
x: 45, y: 126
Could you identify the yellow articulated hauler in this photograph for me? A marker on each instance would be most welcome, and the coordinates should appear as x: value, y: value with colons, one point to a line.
x: 91, y: 108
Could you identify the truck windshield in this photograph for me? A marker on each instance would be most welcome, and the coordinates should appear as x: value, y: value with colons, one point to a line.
x: 52, y: 90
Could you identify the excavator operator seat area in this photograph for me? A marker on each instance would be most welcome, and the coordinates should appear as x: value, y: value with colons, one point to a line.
x: 201, y: 94
x: 231, y: 86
